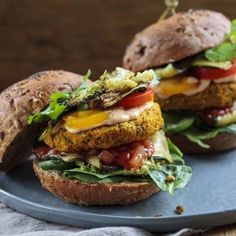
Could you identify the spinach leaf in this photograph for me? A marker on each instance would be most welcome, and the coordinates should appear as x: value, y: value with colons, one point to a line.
x: 193, y: 129
x: 174, y: 150
x: 87, y: 178
x: 55, y: 165
x: 182, y: 175
x: 177, y: 122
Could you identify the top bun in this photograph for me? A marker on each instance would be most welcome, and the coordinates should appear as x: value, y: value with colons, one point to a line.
x: 176, y: 38
x: 21, y: 100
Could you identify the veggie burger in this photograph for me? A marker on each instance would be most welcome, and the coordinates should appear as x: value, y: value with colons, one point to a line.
x: 103, y: 144
x: 194, y: 55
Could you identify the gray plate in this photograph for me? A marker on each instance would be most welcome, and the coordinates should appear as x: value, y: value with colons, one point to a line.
x: 209, y: 200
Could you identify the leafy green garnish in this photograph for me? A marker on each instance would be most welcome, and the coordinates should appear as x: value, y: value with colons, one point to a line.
x: 154, y: 169
x: 55, y: 165
x: 53, y: 111
x: 181, y: 175
x: 58, y: 104
x: 195, y: 131
x: 88, y: 178
x: 174, y: 149
x: 226, y: 51
x: 176, y: 123
x: 103, y: 93
x: 232, y: 35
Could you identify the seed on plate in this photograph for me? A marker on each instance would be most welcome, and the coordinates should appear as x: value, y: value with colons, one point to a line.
x: 179, y: 210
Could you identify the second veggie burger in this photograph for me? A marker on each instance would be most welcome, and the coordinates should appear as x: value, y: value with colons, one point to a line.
x: 194, y: 54
x: 104, y: 144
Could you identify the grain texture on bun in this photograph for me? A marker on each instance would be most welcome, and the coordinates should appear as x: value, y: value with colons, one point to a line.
x: 222, y: 142
x: 175, y: 38
x: 74, y: 191
x: 21, y: 100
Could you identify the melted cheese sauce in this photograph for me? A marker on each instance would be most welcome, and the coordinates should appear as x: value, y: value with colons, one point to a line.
x: 231, y: 78
x: 117, y: 115
x: 187, y: 86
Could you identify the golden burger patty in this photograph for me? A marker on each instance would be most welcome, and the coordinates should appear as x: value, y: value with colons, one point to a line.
x: 216, y: 95
x: 145, y: 126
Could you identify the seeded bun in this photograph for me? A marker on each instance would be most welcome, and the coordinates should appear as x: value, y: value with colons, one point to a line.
x: 21, y: 100
x: 180, y: 36
x: 74, y: 191
x: 221, y: 142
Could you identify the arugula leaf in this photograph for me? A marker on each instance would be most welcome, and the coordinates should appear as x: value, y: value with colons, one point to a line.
x: 53, y: 111
x: 181, y: 173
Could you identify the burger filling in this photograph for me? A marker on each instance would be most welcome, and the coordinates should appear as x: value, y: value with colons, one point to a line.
x: 192, y: 76
x: 153, y: 160
x: 115, y: 98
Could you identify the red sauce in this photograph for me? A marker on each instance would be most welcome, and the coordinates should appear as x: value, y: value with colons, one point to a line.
x: 209, y: 115
x: 129, y: 156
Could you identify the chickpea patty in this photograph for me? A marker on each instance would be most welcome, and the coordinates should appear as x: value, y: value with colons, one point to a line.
x: 216, y: 95
x: 146, y: 125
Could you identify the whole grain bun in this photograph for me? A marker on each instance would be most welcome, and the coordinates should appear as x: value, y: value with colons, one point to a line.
x: 222, y: 142
x: 21, y: 100
x: 74, y: 191
x: 176, y: 38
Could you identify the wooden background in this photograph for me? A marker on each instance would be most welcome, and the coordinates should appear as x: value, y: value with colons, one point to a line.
x: 75, y: 35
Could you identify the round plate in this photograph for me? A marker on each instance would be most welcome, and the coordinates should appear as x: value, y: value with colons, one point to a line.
x: 209, y: 200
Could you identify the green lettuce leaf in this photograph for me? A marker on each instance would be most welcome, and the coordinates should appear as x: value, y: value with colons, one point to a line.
x: 189, y: 125
x: 226, y: 51
x: 177, y: 122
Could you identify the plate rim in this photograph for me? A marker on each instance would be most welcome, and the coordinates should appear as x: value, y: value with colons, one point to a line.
x: 94, y: 215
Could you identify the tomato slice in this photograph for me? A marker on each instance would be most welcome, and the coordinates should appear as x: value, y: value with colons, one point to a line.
x: 211, y: 74
x: 137, y: 99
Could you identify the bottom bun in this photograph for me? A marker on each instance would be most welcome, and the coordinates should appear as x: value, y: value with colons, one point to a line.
x: 74, y: 191
x: 222, y: 142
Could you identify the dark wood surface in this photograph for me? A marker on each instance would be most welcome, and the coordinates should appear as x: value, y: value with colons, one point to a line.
x: 75, y: 35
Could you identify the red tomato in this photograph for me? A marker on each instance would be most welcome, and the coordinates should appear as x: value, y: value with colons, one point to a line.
x: 138, y: 156
x: 211, y: 74
x: 210, y: 114
x: 107, y: 157
x: 124, y: 160
x: 133, y: 156
x: 137, y: 99
x: 42, y: 150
